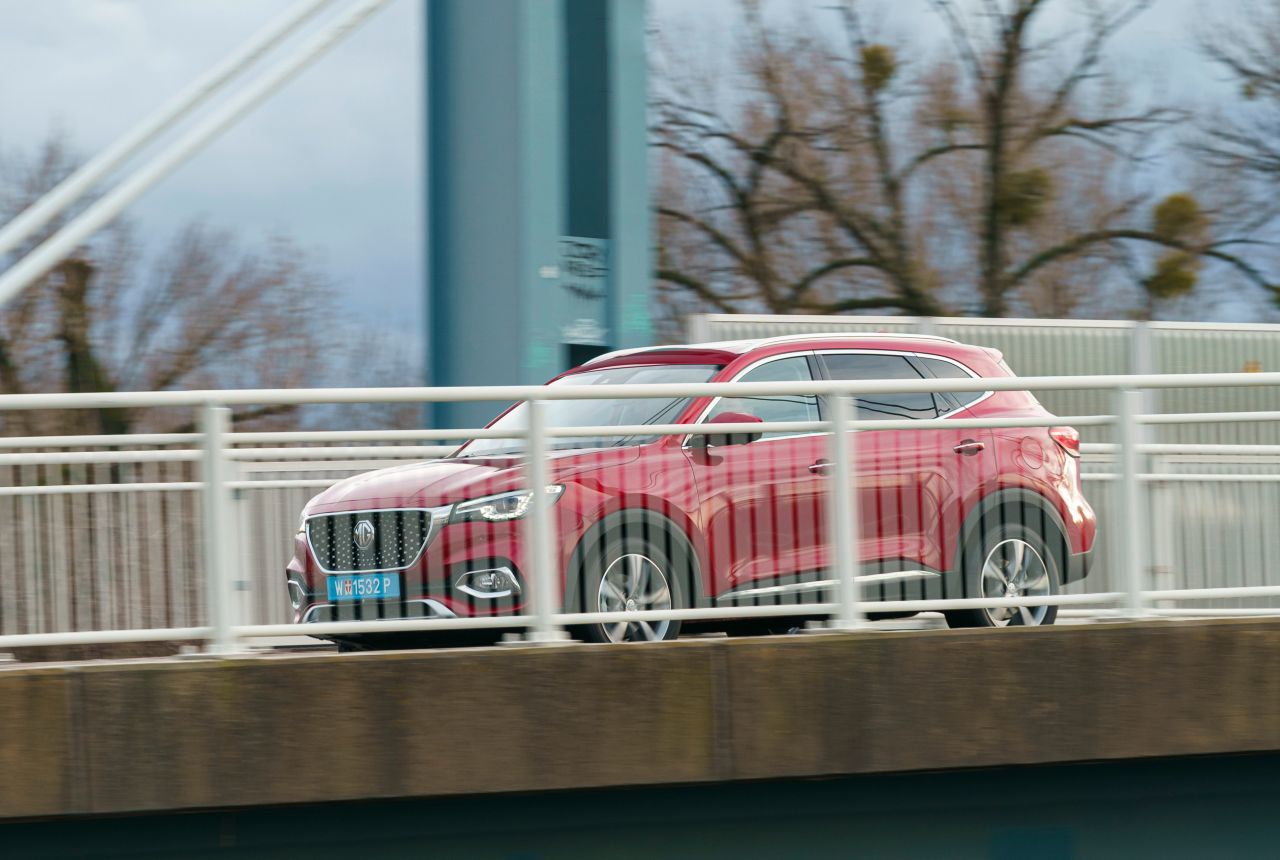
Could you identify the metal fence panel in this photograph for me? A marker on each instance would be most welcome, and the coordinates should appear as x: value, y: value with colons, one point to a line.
x: 1081, y: 347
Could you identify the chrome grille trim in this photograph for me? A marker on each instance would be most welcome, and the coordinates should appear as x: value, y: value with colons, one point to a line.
x: 429, y: 521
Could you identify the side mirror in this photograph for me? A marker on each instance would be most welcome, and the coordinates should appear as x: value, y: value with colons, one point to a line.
x: 710, y: 440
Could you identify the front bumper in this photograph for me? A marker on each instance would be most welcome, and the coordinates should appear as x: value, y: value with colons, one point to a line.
x: 435, y: 584
x: 412, y: 608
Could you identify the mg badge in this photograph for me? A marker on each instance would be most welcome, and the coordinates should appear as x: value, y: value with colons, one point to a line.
x: 364, y: 534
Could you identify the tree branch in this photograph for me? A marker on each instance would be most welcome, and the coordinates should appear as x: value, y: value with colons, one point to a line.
x: 716, y: 236
x: 814, y: 275
x: 697, y: 287
x: 1084, y: 241
x: 936, y: 152
x: 859, y: 304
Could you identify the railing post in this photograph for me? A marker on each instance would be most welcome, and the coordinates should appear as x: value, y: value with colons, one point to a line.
x: 220, y: 544
x: 1129, y: 522
x: 1142, y: 363
x: 844, y: 518
x: 542, y: 573
x: 243, y: 573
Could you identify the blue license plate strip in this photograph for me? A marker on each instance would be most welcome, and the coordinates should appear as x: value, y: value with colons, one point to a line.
x: 365, y: 586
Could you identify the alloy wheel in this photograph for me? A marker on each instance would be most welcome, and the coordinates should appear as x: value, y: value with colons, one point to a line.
x: 634, y: 583
x: 1014, y: 568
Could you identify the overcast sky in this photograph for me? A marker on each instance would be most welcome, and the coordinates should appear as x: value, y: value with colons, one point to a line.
x: 334, y: 159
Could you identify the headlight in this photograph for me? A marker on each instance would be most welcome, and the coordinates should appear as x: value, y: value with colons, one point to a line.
x: 500, y: 508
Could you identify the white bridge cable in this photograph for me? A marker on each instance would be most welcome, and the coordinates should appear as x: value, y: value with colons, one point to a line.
x: 82, y: 181
x: 54, y: 250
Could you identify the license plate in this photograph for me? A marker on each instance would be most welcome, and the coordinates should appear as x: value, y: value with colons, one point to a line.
x: 369, y: 586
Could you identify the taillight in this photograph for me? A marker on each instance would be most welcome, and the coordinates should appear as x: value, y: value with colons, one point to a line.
x: 1068, y: 438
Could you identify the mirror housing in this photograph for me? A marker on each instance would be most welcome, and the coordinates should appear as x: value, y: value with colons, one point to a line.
x: 716, y: 440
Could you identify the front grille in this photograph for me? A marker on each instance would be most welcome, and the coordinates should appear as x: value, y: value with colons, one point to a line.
x: 398, y: 539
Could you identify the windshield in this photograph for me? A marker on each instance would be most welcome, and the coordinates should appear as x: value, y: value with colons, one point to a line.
x: 597, y: 413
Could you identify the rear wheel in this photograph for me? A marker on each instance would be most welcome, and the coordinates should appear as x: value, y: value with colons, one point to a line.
x: 1009, y: 560
x: 632, y: 575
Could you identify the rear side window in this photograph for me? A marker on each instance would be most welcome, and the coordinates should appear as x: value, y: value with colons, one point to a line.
x: 883, y: 406
x: 947, y: 370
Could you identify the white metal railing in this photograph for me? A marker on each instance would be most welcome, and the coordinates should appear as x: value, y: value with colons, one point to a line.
x: 207, y: 476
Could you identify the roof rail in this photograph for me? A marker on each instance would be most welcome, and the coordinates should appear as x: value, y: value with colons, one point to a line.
x: 854, y: 335
x: 748, y: 344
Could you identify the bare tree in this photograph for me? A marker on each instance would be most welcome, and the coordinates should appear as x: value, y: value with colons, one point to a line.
x: 1239, y: 143
x: 1026, y: 113
x: 1246, y: 140
x: 205, y: 312
x: 994, y: 179
x: 770, y: 205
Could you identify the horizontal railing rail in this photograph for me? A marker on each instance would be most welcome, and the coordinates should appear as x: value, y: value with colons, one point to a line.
x: 508, y: 393
x: 195, y: 522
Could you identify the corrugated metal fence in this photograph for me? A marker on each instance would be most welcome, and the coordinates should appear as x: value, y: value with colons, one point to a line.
x: 1082, y: 347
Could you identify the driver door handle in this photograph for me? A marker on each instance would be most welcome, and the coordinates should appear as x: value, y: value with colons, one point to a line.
x: 821, y: 467
x: 969, y: 447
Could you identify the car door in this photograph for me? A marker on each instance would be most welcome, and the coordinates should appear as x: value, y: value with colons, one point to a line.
x: 760, y: 503
x: 907, y: 480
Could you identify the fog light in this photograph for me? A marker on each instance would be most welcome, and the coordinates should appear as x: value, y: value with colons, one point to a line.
x: 488, y: 584
x: 297, y: 594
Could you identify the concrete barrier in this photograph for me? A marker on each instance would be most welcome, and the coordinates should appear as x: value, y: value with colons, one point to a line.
x: 155, y: 735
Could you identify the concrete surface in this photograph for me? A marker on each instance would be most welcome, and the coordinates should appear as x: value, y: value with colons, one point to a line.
x: 156, y: 735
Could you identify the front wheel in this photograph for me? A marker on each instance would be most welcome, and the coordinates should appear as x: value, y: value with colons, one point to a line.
x: 1008, y: 560
x: 632, y: 576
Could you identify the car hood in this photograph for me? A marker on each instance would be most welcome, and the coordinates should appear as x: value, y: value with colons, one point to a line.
x: 443, y: 482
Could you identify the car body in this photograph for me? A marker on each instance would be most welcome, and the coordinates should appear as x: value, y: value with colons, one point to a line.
x: 670, y: 521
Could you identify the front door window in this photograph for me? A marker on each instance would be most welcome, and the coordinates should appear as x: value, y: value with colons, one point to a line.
x: 793, y: 407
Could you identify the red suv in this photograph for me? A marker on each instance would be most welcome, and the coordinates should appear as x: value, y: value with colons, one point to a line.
x: 727, y: 520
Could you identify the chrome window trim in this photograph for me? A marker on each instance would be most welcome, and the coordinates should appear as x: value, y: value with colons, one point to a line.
x: 820, y: 584
x: 439, y: 519
x: 702, y: 417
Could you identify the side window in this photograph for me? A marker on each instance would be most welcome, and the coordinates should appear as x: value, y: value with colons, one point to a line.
x: 947, y: 370
x: 780, y: 408
x: 882, y: 406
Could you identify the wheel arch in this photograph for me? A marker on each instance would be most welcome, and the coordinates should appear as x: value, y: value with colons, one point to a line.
x: 647, y: 522
x: 1015, y: 504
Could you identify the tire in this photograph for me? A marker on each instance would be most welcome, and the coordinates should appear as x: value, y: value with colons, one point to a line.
x: 349, y: 646
x: 769, y: 627
x: 1008, y: 559
x: 629, y: 572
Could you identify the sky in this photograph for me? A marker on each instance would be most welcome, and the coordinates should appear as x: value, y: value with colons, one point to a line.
x: 335, y: 158
x: 332, y: 159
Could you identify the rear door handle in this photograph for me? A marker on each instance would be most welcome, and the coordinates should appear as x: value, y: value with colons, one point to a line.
x: 821, y: 467
x: 969, y: 447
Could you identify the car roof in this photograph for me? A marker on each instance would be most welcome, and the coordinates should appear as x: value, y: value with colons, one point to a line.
x: 727, y: 350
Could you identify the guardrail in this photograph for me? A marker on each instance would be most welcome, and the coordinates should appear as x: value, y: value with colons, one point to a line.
x: 223, y: 499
